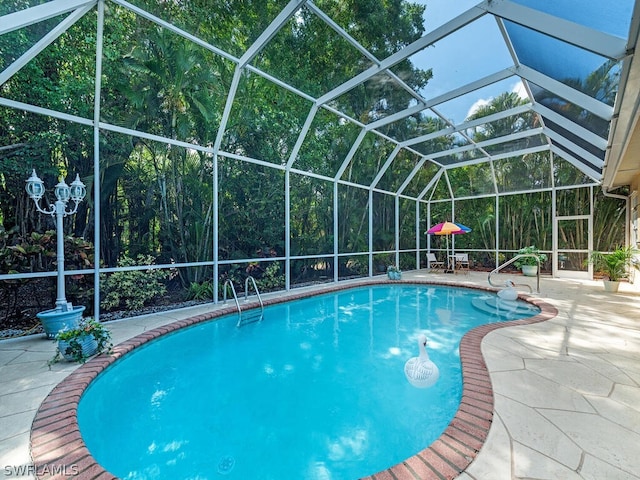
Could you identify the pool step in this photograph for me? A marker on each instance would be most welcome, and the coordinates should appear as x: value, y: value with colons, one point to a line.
x: 509, y: 309
x: 250, y: 316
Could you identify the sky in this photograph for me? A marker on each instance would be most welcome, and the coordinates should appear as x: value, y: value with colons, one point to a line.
x: 472, y: 54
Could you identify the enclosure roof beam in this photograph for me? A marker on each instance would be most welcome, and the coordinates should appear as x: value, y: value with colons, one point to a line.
x: 395, y: 117
x: 470, y: 124
x: 39, y: 13
x: 274, y: 27
x: 431, y: 183
x: 470, y: 87
x: 426, y: 104
x: 576, y: 97
x: 588, y: 171
x: 171, y: 27
x: 411, y: 175
x: 587, y: 135
x: 47, y: 112
x: 44, y: 42
x: 587, y: 38
x: 587, y: 156
x: 340, y: 31
x: 384, y: 167
x: 366, y: 53
x: 501, y: 156
x: 303, y: 133
x: 494, y: 141
x: 351, y: 153
x: 420, y: 44
x: 233, y: 88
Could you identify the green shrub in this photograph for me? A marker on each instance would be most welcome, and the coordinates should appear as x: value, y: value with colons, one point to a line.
x: 36, y: 252
x: 614, y: 265
x: 133, y: 289
x: 200, y: 291
x: 529, y: 261
x: 272, y: 279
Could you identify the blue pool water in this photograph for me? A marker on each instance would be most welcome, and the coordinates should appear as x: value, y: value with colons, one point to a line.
x: 314, y: 391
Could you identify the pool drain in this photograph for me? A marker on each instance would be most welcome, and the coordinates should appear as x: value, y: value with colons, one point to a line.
x: 226, y: 464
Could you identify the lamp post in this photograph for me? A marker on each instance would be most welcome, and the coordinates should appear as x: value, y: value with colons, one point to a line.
x: 64, y: 313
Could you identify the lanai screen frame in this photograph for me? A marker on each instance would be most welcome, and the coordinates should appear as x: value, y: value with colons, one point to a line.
x: 590, y: 39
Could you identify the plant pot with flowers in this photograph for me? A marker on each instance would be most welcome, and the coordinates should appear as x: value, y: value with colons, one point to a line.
x: 78, y: 344
x: 394, y: 273
x: 529, y: 264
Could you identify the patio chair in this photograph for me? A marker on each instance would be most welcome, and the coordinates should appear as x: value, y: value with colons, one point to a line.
x: 433, y: 263
x: 462, y: 262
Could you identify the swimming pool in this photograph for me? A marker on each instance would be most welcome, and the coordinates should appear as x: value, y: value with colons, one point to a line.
x: 315, y: 390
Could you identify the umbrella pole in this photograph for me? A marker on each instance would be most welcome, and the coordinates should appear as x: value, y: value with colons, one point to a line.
x: 449, y: 264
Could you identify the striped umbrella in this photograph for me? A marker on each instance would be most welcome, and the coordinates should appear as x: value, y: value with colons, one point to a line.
x: 462, y: 227
x: 448, y: 228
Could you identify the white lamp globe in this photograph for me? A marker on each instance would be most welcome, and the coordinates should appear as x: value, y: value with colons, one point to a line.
x: 62, y: 191
x: 35, y: 186
x: 77, y: 189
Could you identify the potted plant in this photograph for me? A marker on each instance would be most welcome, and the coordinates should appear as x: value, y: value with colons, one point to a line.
x: 77, y: 344
x: 614, y: 266
x: 394, y: 273
x: 529, y: 264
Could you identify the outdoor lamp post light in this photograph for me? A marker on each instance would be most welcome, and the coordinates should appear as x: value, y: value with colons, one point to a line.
x: 65, y: 314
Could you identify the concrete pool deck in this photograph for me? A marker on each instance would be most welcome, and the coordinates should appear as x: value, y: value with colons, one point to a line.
x: 566, y: 391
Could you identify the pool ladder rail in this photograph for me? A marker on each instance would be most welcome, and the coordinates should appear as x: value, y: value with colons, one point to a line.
x: 509, y: 262
x: 251, y: 315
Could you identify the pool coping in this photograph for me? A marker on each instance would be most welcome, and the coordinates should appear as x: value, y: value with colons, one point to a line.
x: 56, y: 439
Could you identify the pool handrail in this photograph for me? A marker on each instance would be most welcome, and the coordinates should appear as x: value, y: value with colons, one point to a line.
x: 509, y: 262
x: 246, y: 295
x: 255, y: 288
x: 235, y: 297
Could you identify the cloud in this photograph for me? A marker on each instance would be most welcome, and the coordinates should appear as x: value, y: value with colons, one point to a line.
x: 481, y: 102
x: 517, y: 88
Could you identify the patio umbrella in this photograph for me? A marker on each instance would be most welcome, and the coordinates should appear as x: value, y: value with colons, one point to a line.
x: 448, y: 228
x: 462, y: 227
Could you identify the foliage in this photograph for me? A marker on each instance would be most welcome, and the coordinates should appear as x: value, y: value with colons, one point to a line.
x: 75, y: 336
x: 133, y: 289
x: 530, y: 250
x: 393, y: 269
x: 272, y: 279
x: 614, y: 265
x: 608, y: 220
x: 36, y: 252
x: 355, y: 265
x: 267, y: 279
x: 200, y: 291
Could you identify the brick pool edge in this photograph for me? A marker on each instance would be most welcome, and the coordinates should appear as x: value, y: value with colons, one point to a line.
x: 56, y: 440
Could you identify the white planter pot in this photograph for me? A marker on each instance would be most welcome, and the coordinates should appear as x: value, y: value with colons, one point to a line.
x: 529, y: 270
x: 610, y: 286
